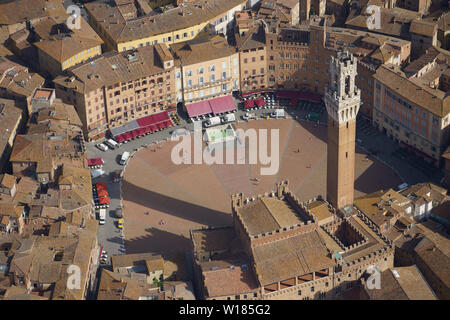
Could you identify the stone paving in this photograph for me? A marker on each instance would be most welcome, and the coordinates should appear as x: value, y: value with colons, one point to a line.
x: 163, y: 201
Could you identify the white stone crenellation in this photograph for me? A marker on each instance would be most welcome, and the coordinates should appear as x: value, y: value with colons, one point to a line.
x: 342, y: 97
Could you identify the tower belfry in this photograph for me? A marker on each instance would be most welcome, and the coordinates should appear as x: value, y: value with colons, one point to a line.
x: 342, y: 99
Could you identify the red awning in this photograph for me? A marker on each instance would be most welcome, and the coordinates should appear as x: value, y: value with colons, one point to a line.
x: 95, y: 161
x: 127, y: 136
x: 153, y: 119
x: 299, y: 95
x: 102, y: 193
x: 249, y: 104
x: 222, y: 104
x: 103, y: 200
x: 100, y: 185
x: 147, y: 129
x: 153, y: 127
x: 247, y: 94
x: 260, y: 102
x: 141, y: 131
x: 120, y: 138
x: 134, y: 133
x: 198, y: 109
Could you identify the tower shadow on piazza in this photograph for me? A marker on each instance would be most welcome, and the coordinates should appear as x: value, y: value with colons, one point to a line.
x: 269, y: 242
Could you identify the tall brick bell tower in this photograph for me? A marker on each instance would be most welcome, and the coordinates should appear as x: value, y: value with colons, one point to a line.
x: 342, y: 99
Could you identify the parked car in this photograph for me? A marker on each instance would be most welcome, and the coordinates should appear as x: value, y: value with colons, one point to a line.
x: 111, y: 144
x: 120, y: 223
x: 102, y: 146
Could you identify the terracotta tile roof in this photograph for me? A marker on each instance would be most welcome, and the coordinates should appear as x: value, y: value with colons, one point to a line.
x: 382, y: 206
x: 7, y: 180
x: 430, y: 55
x: 391, y: 20
x: 121, y: 29
x: 425, y: 191
x: 17, y: 79
x: 155, y: 264
x: 59, y: 111
x: 65, y: 45
x: 436, y: 257
x: 434, y: 101
x: 320, y: 210
x: 20, y: 293
x: 19, y: 11
x: 300, y: 254
x: 111, y: 68
x: 4, y: 51
x: 268, y: 214
x: 202, y: 50
x: 130, y: 260
x: 402, y: 283
x: 80, y: 193
x: 115, y: 286
x: 4, y: 220
x: 27, y: 148
x: 228, y: 277
x: 423, y: 28
x: 443, y: 210
x: 254, y: 38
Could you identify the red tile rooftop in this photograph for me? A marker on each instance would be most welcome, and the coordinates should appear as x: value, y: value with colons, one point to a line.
x: 42, y: 94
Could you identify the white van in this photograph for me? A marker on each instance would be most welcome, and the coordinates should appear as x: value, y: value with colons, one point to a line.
x: 212, y: 122
x: 228, y: 118
x: 278, y: 113
x: 112, y: 144
x: 102, y: 216
x: 124, y: 158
